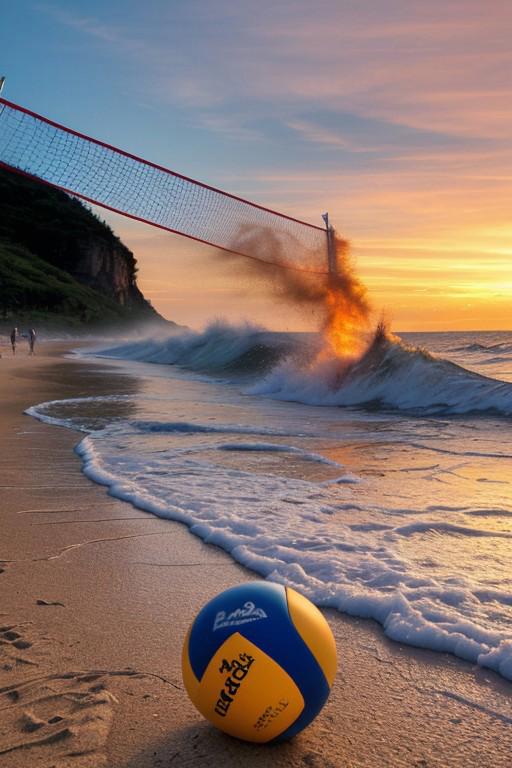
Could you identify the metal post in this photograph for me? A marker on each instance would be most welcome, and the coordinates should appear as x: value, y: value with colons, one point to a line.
x: 2, y: 81
x: 331, y: 246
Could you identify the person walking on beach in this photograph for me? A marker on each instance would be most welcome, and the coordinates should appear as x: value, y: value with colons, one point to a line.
x: 31, y: 340
x: 14, y: 334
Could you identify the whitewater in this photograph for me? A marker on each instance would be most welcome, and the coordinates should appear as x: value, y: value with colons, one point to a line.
x: 381, y: 487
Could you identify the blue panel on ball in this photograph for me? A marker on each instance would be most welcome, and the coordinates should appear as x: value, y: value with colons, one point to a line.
x: 259, y: 611
x: 314, y: 701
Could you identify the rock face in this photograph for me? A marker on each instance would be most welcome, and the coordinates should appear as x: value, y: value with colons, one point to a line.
x: 105, y: 267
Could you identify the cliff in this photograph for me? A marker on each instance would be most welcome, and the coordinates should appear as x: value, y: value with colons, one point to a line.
x: 61, y: 263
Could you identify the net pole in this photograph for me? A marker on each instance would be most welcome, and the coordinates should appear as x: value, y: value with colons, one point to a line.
x: 332, y: 266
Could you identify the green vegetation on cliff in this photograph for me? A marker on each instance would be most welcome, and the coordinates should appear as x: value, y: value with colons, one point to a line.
x: 60, y: 264
x: 31, y: 289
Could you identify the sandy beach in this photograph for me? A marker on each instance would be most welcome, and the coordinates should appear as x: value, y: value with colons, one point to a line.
x: 96, y: 597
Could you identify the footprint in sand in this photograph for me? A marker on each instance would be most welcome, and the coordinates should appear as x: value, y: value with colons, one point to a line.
x: 55, y: 718
x: 14, y: 645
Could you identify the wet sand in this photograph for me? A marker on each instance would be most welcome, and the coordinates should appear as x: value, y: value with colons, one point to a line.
x: 96, y: 597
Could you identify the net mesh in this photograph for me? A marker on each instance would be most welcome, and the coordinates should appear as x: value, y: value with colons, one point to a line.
x: 109, y: 177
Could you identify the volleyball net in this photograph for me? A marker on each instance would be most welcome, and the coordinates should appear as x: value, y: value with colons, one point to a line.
x: 121, y: 182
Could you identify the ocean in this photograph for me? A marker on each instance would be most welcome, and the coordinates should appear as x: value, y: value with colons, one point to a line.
x: 380, y: 487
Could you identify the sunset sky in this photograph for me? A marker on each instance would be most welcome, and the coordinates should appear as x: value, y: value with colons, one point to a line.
x: 394, y: 116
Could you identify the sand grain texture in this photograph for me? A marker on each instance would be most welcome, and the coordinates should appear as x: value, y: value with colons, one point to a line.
x: 96, y: 597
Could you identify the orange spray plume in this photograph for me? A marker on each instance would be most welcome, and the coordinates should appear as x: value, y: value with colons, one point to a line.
x: 338, y: 298
x: 346, y: 305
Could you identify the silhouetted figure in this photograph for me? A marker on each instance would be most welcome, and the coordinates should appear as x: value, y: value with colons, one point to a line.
x: 31, y: 340
x: 14, y: 336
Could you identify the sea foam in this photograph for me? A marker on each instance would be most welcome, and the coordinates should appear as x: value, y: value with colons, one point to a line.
x: 340, y: 553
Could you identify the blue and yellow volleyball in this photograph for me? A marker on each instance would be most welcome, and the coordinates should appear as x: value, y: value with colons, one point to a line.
x: 259, y: 661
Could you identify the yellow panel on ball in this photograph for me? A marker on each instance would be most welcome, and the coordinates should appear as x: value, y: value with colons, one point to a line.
x: 246, y: 694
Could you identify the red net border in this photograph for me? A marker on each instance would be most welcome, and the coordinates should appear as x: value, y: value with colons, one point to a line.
x: 137, y: 158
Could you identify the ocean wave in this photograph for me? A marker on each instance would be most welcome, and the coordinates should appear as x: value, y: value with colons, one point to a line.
x: 502, y: 348
x: 219, y: 349
x: 495, y: 361
x: 390, y: 375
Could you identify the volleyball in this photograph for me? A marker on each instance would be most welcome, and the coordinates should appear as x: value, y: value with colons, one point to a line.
x: 259, y: 661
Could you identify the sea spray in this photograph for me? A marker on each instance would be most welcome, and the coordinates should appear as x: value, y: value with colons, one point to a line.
x: 390, y: 374
x: 339, y: 299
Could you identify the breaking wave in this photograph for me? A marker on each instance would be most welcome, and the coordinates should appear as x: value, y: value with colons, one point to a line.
x: 390, y: 375
x: 219, y: 349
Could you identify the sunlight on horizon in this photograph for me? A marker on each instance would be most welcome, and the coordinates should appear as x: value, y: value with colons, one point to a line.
x: 420, y: 284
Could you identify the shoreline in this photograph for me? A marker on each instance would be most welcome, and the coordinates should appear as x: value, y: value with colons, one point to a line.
x: 117, y: 590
